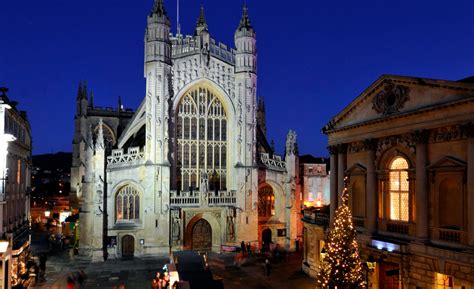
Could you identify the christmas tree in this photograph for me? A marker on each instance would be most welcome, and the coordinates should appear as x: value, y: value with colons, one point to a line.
x: 341, y: 266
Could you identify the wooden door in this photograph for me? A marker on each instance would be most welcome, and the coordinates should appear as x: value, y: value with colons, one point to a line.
x: 128, y: 247
x: 202, y: 236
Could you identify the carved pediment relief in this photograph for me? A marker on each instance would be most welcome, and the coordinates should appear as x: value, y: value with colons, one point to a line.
x: 391, y: 99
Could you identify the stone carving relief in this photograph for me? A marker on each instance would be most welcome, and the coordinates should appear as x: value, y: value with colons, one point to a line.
x: 404, y: 140
x: 176, y: 226
x: 230, y: 225
x: 391, y: 99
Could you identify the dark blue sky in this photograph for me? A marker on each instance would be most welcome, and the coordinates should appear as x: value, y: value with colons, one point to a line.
x: 314, y: 56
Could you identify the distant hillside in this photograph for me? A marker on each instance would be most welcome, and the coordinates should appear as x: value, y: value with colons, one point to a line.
x: 53, y: 162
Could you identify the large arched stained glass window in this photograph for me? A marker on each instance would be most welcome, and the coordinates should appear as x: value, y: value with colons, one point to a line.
x: 266, y: 202
x: 127, y: 204
x: 399, y: 190
x: 201, y: 130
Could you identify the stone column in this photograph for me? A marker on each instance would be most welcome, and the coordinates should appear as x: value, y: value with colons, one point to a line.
x: 333, y: 183
x: 469, y: 131
x: 341, y: 168
x: 421, y: 185
x: 371, y: 218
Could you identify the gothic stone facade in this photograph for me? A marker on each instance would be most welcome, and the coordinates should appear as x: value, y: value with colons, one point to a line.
x: 407, y: 145
x: 186, y: 170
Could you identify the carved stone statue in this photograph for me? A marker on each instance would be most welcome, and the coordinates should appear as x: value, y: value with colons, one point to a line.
x: 204, y: 188
x: 176, y: 227
x: 230, y: 229
x: 291, y: 147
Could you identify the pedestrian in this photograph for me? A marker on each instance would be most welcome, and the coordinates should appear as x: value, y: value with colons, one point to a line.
x: 268, y: 268
x: 81, y: 278
x: 248, y: 248
x: 297, y: 244
x: 70, y: 281
x: 242, y: 246
x: 42, y: 265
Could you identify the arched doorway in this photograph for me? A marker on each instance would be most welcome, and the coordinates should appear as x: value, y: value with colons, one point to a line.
x: 266, y: 239
x: 202, y: 236
x: 128, y: 247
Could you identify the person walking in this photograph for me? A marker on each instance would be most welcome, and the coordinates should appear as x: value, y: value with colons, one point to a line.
x: 242, y: 246
x: 81, y: 278
x: 268, y: 268
x: 42, y: 266
x: 70, y: 280
x: 249, y: 248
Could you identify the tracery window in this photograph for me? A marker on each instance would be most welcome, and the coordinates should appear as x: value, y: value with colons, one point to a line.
x: 266, y: 202
x: 127, y: 204
x: 399, y: 190
x: 201, y: 130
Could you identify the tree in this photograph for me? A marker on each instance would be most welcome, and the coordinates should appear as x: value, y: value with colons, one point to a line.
x: 341, y: 265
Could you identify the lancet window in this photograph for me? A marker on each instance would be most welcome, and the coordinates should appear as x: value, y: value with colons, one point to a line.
x: 127, y: 204
x: 266, y: 202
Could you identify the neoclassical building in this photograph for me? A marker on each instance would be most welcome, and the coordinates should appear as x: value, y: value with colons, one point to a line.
x: 407, y: 145
x: 190, y: 168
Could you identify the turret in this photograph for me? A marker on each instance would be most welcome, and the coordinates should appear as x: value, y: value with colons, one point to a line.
x: 157, y: 42
x: 81, y: 99
x: 245, y: 42
x: 201, y: 24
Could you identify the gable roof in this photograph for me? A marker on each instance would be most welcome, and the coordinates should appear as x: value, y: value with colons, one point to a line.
x: 465, y: 89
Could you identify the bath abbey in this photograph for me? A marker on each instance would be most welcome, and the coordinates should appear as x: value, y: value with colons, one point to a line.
x: 191, y: 167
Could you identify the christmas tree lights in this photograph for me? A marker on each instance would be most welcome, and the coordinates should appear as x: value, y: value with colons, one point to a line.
x: 341, y: 266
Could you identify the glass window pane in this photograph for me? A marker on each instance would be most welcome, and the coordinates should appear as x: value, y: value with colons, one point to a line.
x: 394, y: 206
x: 404, y: 207
x: 404, y: 181
x: 394, y: 181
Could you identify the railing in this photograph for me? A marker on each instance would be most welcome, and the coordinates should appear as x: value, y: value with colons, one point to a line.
x: 118, y: 156
x: 274, y: 162
x: 397, y: 228
x: 454, y: 236
x: 195, y: 199
x: 319, y: 216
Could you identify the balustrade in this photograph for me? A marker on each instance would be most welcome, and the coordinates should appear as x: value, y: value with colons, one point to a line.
x: 194, y: 199
x: 118, y: 156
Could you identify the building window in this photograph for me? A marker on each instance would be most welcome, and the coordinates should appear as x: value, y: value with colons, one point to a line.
x: 266, y: 202
x: 127, y: 204
x: 443, y: 281
x: 399, y: 190
x: 201, y: 130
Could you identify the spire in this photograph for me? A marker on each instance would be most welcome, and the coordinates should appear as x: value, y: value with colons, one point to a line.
x: 84, y: 89
x: 91, y: 99
x: 201, y: 23
x: 245, y: 21
x: 159, y: 8
x: 79, y: 91
x: 120, y: 103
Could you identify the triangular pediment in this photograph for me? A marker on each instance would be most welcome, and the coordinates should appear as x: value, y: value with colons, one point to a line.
x: 356, y: 169
x: 447, y: 163
x: 391, y: 96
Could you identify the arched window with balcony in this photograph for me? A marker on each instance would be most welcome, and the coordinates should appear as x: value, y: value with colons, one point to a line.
x: 399, y: 190
x: 127, y: 204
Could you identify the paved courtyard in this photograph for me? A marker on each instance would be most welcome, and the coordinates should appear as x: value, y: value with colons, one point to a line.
x: 139, y: 272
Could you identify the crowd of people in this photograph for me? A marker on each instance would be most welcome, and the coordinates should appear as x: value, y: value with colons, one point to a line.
x: 161, y: 281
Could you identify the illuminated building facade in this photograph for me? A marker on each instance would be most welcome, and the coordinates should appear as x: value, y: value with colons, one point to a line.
x: 407, y: 145
x: 15, y: 187
x: 191, y: 168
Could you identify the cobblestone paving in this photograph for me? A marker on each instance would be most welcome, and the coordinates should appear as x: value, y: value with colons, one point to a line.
x: 138, y: 273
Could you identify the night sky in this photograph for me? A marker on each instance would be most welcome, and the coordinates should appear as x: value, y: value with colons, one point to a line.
x: 314, y: 56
